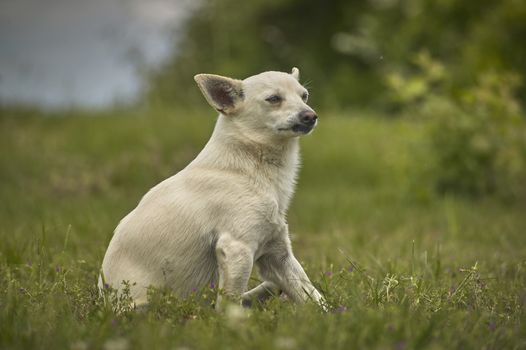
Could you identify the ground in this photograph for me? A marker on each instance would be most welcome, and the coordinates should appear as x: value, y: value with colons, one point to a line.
x: 401, y: 266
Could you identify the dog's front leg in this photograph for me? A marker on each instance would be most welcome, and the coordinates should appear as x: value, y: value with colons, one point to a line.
x: 290, y: 276
x: 235, y: 260
x: 280, y: 266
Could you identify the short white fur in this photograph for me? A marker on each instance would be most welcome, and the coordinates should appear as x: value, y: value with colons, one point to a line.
x: 224, y: 213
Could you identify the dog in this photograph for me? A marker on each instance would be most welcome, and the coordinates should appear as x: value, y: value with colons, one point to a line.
x: 226, y: 211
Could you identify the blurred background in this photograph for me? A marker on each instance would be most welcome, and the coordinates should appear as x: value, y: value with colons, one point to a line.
x: 456, y: 66
x: 57, y: 53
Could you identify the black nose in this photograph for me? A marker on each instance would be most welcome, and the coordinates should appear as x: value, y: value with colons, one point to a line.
x: 308, y: 117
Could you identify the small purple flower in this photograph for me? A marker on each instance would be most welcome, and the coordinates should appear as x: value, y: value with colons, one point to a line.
x: 401, y: 345
x: 350, y: 269
x: 212, y: 285
x: 328, y: 274
x: 106, y: 286
x: 194, y: 290
x: 341, y: 309
x: 57, y: 269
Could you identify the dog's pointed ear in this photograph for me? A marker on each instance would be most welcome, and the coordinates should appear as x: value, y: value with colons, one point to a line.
x: 296, y: 73
x: 222, y: 93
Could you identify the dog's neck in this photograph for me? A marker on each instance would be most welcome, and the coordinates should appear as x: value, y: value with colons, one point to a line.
x: 268, y: 163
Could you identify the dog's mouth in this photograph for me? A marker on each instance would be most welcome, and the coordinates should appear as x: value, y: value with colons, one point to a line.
x: 299, y: 128
x: 302, y: 128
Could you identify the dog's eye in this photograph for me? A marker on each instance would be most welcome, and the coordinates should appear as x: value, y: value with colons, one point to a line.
x: 305, y: 96
x: 274, y: 99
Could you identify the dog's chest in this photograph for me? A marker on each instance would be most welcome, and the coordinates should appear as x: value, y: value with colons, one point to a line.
x: 282, y: 180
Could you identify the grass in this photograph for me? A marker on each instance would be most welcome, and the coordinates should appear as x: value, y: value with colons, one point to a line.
x: 402, y: 267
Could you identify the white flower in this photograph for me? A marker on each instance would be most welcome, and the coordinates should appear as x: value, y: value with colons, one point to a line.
x: 285, y: 343
x: 116, y: 344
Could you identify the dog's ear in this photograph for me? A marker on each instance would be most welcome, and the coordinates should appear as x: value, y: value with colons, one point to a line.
x: 222, y: 93
x: 296, y: 73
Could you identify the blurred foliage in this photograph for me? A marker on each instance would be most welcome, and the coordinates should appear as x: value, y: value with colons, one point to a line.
x: 344, y: 47
x: 458, y: 63
x: 478, y: 135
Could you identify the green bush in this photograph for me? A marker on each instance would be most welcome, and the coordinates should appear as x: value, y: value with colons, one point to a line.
x: 477, y: 134
x: 343, y: 47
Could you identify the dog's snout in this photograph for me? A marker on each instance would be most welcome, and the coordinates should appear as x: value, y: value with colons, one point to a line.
x: 308, y: 117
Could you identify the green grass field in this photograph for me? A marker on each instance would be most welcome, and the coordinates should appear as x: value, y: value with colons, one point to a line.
x: 402, y: 267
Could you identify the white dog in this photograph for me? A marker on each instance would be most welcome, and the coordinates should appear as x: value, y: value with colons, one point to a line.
x: 226, y: 211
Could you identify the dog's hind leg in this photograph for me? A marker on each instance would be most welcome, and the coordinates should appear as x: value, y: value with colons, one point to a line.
x: 260, y: 293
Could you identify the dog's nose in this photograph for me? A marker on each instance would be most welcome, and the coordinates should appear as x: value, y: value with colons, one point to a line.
x: 308, y: 117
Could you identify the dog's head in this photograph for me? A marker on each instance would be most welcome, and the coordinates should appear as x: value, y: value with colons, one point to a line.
x: 267, y: 104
